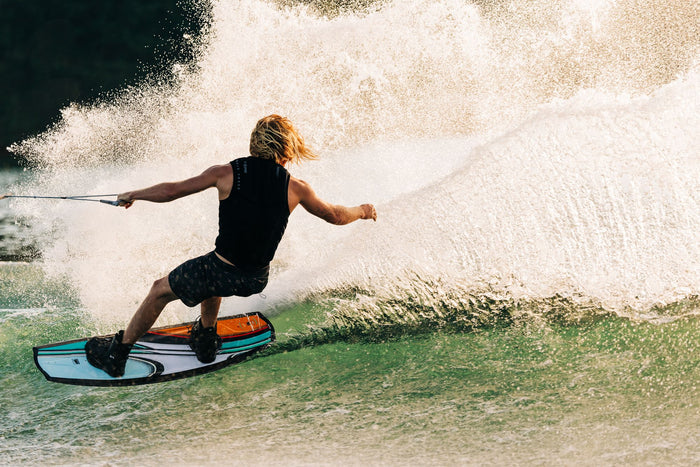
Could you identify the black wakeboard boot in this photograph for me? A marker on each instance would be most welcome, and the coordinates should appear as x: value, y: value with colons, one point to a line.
x: 108, y: 353
x: 204, y: 341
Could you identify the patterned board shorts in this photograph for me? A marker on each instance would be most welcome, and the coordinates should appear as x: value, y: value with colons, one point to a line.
x: 207, y: 276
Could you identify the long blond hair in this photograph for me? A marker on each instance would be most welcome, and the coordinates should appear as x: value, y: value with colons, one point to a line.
x: 275, y: 138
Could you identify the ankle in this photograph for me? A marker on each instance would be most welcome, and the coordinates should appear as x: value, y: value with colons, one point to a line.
x: 121, y: 340
x: 208, y: 324
x: 128, y: 338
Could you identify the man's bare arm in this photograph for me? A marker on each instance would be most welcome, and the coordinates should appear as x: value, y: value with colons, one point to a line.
x: 170, y: 191
x: 302, y: 193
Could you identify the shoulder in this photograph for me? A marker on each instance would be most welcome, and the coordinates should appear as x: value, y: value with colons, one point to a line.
x: 299, y: 187
x: 219, y: 170
x: 298, y: 191
x: 216, y: 174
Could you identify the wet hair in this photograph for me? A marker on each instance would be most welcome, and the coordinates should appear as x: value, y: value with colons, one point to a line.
x: 275, y: 138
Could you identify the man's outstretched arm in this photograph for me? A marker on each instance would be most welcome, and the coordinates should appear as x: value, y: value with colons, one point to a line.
x: 170, y: 191
x: 301, y: 193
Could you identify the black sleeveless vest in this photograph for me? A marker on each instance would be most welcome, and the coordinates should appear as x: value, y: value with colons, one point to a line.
x: 253, y: 218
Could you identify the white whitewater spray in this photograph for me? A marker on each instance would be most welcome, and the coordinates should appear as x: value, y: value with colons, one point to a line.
x: 539, y: 147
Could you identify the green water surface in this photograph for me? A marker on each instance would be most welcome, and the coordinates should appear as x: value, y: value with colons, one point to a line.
x: 610, y: 391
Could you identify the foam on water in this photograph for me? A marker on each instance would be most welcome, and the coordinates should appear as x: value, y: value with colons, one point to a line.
x: 529, y: 147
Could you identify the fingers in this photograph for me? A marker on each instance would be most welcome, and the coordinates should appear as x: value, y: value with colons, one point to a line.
x: 125, y: 200
x: 370, y: 212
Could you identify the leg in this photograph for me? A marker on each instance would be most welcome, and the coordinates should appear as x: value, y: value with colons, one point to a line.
x: 210, y: 310
x: 147, y: 314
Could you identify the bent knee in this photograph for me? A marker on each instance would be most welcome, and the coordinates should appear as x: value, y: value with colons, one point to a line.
x: 161, y: 289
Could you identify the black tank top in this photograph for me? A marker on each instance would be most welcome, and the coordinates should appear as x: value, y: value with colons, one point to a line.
x: 253, y: 218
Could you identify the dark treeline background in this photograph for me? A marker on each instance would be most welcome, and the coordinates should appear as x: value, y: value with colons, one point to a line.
x: 54, y: 52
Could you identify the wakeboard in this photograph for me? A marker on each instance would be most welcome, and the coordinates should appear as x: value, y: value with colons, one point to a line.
x: 162, y: 354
